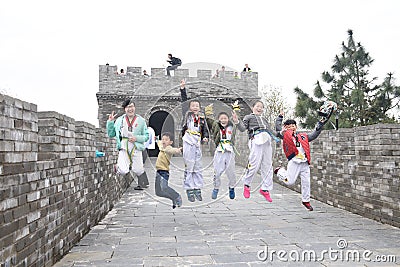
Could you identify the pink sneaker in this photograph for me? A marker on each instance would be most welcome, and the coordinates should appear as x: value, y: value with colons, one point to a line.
x: 266, y: 195
x: 246, y: 191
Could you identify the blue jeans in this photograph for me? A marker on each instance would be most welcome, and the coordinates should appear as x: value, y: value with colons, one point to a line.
x: 162, y: 188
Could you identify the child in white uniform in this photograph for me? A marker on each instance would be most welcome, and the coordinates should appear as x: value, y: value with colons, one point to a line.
x: 260, y: 157
x: 194, y: 132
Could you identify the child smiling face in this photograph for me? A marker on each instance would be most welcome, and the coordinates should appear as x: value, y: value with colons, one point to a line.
x: 291, y: 127
x: 223, y: 119
x: 258, y: 108
x: 194, y: 106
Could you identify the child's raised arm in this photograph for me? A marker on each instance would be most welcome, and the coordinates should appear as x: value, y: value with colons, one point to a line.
x: 318, y: 129
x: 235, y: 118
x: 184, y: 98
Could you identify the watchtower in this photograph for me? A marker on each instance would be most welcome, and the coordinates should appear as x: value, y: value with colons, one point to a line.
x: 157, y: 97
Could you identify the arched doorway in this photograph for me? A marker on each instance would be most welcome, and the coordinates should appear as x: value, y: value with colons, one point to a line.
x: 161, y: 121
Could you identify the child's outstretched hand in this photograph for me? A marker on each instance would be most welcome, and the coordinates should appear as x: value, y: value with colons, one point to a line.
x: 235, y: 117
x: 112, y: 116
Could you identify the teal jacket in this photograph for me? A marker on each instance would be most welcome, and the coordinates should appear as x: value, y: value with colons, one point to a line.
x: 140, y: 131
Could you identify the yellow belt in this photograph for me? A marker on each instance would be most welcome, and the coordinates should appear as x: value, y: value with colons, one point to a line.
x: 193, y: 132
x: 227, y: 142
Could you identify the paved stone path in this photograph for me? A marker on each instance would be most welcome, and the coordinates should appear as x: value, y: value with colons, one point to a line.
x: 143, y: 230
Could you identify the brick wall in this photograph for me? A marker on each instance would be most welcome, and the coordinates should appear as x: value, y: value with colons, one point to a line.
x: 354, y: 169
x: 52, y: 187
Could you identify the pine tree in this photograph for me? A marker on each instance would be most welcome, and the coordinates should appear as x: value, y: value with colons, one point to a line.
x: 360, y: 102
x: 385, y: 99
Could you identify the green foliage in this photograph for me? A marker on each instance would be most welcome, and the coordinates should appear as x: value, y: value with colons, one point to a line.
x: 360, y: 102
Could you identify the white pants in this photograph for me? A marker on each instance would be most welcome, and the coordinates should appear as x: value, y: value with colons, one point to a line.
x: 224, y: 162
x: 260, y: 157
x: 294, y: 170
x: 193, y: 174
x: 124, y: 162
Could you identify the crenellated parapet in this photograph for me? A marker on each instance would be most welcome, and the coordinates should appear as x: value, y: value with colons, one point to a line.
x: 111, y: 81
x: 157, y: 89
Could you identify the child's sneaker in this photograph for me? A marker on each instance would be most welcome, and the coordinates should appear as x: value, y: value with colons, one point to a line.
x: 281, y: 173
x: 246, y: 191
x: 231, y: 193
x: 214, y: 194
x: 308, y: 206
x: 177, y: 202
x: 266, y: 195
x: 197, y: 194
x: 190, y: 195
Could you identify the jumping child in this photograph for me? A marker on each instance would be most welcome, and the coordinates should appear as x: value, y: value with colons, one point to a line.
x: 260, y: 157
x: 223, y: 132
x: 162, y: 166
x: 297, y: 150
x: 194, y: 131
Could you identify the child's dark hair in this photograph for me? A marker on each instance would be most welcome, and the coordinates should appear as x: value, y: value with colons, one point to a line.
x: 223, y: 113
x: 194, y: 101
x: 257, y: 101
x: 127, y: 102
x: 289, y: 122
x: 169, y: 135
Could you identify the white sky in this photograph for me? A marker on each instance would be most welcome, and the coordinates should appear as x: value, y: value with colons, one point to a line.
x: 50, y: 50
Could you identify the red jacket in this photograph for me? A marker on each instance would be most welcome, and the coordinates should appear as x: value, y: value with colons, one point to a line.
x: 289, y: 147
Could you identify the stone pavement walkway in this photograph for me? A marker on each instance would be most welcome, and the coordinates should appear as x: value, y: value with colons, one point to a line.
x: 143, y: 230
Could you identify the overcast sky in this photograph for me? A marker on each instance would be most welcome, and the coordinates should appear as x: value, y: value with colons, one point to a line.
x: 50, y: 50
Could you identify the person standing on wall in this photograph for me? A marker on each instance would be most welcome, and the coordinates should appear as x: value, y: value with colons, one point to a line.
x: 246, y: 68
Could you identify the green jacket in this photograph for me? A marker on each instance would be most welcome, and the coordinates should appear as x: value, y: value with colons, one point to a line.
x: 140, y: 131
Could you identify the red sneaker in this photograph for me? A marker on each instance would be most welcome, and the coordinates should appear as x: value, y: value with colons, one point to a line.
x: 266, y: 195
x: 246, y: 191
x: 308, y: 206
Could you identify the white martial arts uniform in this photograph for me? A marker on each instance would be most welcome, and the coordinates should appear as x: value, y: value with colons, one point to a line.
x: 297, y: 166
x: 260, y: 157
x: 224, y: 160
x: 192, y: 156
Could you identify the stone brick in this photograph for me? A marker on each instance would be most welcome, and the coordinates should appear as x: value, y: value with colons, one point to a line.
x: 6, y: 146
x: 8, y: 204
